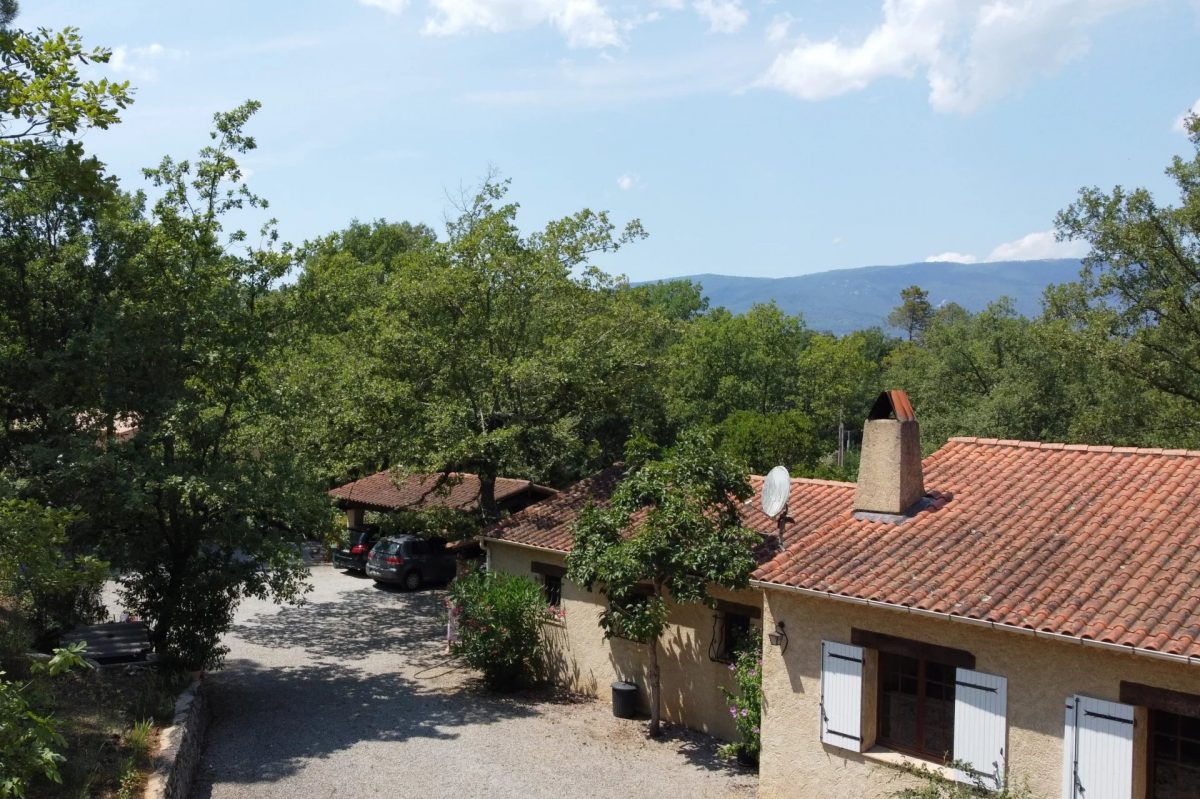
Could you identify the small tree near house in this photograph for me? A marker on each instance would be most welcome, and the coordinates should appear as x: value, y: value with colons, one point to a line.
x: 671, y: 528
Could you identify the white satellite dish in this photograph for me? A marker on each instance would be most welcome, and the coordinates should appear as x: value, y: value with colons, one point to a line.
x: 776, y: 487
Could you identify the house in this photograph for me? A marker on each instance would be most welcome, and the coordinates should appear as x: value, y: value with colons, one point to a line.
x: 385, y: 491
x: 695, y: 648
x: 1031, y: 610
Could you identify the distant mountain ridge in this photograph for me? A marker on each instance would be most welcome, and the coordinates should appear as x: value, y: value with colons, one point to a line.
x: 844, y: 300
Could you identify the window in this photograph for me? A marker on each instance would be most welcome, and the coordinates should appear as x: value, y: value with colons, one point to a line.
x: 1174, y: 756
x: 1173, y: 742
x: 732, y: 624
x: 552, y: 590
x: 552, y: 577
x: 916, y: 706
x: 931, y: 703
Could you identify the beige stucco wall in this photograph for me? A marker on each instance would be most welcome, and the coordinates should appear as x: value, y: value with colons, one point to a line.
x: 1041, y: 673
x: 582, y: 661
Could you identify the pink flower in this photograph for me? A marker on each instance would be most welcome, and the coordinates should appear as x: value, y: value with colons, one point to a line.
x: 754, y: 729
x: 733, y: 712
x: 745, y: 712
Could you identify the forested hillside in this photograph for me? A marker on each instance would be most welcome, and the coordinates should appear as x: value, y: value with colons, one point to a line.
x: 844, y: 300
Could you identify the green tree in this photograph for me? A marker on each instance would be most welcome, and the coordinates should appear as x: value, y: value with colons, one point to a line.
x: 518, y: 357
x: 914, y: 312
x: 50, y: 587
x: 344, y: 410
x: 838, y: 381
x: 673, y: 525
x: 45, y: 103
x: 198, y: 508
x: 1141, y: 278
x: 678, y: 300
x: 763, y: 441
x: 726, y: 362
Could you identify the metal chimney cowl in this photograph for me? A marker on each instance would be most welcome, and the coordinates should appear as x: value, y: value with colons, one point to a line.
x: 890, y: 480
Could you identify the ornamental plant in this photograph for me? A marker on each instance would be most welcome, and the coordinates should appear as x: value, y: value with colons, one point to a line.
x: 745, y: 704
x: 499, y: 627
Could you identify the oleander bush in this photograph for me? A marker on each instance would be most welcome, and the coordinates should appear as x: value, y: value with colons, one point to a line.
x: 499, y: 627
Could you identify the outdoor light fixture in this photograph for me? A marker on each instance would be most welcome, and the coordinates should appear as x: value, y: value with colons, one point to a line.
x: 779, y: 637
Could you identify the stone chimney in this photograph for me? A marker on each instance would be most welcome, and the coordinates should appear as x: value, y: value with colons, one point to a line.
x: 889, y: 474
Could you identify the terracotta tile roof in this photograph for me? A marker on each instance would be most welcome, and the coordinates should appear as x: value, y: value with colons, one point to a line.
x: 1098, y: 543
x: 548, y: 524
x: 379, y: 492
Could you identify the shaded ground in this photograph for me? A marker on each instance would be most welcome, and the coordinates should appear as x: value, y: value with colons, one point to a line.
x: 351, y: 695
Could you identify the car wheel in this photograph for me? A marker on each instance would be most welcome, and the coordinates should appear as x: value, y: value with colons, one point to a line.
x: 412, y: 580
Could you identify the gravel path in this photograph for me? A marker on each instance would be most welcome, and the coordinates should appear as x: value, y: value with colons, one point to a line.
x: 350, y: 695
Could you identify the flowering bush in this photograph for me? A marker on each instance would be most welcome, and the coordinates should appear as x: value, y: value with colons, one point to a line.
x: 499, y: 627
x: 745, y: 705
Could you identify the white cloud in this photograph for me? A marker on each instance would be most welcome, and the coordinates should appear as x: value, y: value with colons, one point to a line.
x: 1180, y: 125
x: 1035, y: 246
x: 953, y: 257
x: 138, y: 62
x: 628, y: 181
x: 722, y: 16
x: 779, y: 27
x: 390, y: 6
x: 970, y: 51
x: 584, y: 23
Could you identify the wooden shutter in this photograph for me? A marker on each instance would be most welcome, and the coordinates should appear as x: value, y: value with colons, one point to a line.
x: 1098, y: 749
x: 841, y: 695
x: 981, y: 725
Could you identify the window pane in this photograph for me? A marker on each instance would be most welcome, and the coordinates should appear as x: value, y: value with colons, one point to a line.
x: 1176, y: 763
x: 898, y: 700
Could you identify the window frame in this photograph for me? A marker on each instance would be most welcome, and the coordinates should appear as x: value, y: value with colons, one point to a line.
x: 885, y: 645
x: 719, y: 650
x: 920, y: 749
x: 548, y: 572
x: 1157, y: 701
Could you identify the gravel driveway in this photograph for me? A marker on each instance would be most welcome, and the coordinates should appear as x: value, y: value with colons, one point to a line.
x: 350, y: 695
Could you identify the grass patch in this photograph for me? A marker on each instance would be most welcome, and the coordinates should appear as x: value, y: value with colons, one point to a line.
x: 110, y: 719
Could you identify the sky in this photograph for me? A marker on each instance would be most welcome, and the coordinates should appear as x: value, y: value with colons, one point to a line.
x: 750, y: 137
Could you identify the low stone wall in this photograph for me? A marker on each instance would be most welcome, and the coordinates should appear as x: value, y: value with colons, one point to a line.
x: 180, y: 747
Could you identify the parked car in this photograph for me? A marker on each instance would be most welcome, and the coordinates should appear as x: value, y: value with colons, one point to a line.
x: 353, y: 555
x: 410, y: 561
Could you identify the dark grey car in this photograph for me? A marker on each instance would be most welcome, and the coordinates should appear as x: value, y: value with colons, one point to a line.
x: 410, y: 561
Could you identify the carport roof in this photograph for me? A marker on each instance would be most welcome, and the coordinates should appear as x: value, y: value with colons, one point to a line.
x: 384, y: 491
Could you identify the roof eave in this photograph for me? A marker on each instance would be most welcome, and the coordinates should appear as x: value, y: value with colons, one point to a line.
x: 1063, y: 637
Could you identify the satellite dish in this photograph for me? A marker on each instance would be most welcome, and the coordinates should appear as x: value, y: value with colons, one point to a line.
x: 775, y: 491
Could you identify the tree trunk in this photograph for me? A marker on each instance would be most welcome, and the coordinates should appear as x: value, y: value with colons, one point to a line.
x: 489, y: 510
x: 655, y: 728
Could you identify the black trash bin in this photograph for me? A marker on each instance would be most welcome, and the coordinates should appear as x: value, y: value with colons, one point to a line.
x: 624, y: 700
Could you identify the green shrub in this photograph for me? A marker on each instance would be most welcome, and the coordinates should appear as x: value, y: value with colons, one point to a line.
x: 499, y: 627
x: 53, y: 588
x: 29, y: 740
x: 745, y: 705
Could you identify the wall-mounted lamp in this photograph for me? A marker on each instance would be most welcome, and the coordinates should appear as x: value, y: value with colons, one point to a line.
x: 779, y: 637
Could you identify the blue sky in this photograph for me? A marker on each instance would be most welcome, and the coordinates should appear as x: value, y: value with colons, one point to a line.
x: 751, y: 137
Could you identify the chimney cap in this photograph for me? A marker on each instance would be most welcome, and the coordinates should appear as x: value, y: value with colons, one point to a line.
x: 893, y: 403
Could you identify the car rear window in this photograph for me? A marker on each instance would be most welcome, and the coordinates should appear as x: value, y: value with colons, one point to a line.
x: 387, y: 547
x: 359, y: 537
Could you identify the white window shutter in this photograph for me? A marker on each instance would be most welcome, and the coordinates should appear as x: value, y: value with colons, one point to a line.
x: 1098, y: 750
x: 841, y: 695
x: 981, y: 725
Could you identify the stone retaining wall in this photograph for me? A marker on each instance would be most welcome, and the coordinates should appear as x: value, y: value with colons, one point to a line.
x: 180, y: 747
